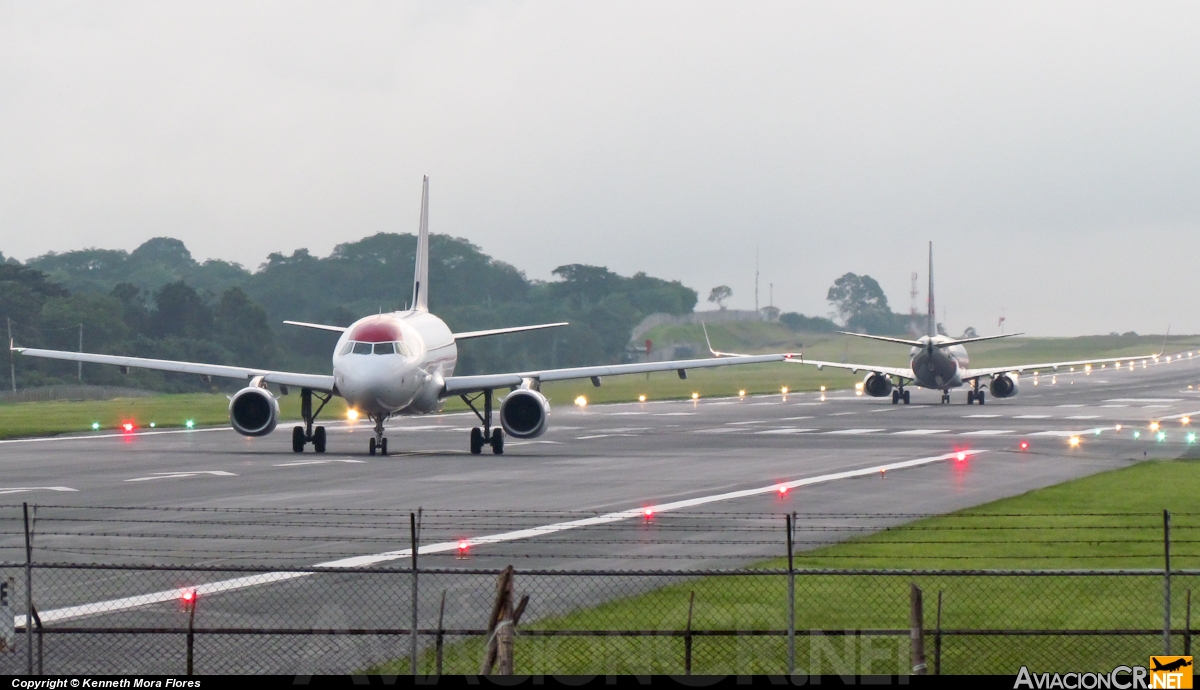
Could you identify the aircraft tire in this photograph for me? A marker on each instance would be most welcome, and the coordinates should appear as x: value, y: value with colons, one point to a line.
x: 371, y: 446
x: 497, y: 442
x: 895, y: 397
x: 970, y: 397
x: 383, y: 447
x: 476, y: 441
x: 319, y: 439
x: 979, y: 396
x: 298, y: 439
x: 906, y: 397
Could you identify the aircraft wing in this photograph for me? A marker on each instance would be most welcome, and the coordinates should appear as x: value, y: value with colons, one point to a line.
x: 902, y: 372
x: 1021, y: 368
x: 458, y: 385
x: 285, y: 378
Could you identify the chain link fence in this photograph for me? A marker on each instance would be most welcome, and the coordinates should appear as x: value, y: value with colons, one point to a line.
x: 644, y: 596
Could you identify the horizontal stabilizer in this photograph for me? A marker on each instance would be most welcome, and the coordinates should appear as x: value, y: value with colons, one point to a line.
x: 319, y: 326
x: 962, y: 341
x: 501, y: 331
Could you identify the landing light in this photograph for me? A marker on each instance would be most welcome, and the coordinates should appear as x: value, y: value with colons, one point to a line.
x: 1153, y: 426
x: 581, y: 401
x: 783, y: 390
x: 822, y: 389
x: 1186, y: 420
x: 1073, y: 441
x: 352, y: 414
x: 641, y: 398
x: 741, y: 393
x: 1118, y: 427
x: 695, y: 396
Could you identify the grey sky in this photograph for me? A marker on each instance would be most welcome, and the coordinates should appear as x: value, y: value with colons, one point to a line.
x: 1050, y: 150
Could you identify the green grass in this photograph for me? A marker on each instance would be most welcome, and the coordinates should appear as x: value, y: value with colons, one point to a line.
x: 989, y: 536
x: 165, y: 411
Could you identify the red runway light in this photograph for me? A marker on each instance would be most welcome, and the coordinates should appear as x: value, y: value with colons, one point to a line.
x: 127, y: 426
x: 648, y: 512
x: 783, y: 490
x: 189, y: 596
x: 961, y: 456
x: 1024, y: 445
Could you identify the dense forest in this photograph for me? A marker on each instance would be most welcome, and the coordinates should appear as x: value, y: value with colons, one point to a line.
x: 157, y: 301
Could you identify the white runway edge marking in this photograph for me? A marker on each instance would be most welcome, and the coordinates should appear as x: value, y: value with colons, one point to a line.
x: 919, y: 432
x: 127, y: 603
x: 317, y: 462
x: 126, y: 434
x: 23, y: 489
x: 854, y: 431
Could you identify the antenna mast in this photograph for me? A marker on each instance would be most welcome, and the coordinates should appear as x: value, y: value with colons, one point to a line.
x: 756, y: 278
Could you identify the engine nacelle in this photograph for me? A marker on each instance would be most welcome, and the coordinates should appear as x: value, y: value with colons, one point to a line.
x: 523, y: 413
x: 253, y: 412
x: 1003, y: 386
x: 877, y: 385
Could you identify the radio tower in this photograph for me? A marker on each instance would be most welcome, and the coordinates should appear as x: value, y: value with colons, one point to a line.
x: 912, y: 310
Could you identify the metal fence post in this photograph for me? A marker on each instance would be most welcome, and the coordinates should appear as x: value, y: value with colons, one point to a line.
x: 791, y: 590
x: 687, y: 637
x: 1187, y: 627
x: 916, y: 622
x: 441, y: 634
x: 1167, y: 582
x: 28, y: 593
x: 191, y: 633
x: 412, y: 653
x: 937, y: 640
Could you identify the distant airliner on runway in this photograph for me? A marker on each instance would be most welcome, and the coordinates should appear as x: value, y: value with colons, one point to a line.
x: 398, y: 363
x: 941, y: 363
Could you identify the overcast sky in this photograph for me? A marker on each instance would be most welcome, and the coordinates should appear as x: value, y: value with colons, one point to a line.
x: 1050, y: 150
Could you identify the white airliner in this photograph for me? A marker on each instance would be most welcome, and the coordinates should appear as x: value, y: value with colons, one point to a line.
x: 941, y: 363
x: 398, y: 363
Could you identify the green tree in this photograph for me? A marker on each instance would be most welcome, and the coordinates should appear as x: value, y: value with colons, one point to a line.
x: 719, y: 294
x: 861, y: 305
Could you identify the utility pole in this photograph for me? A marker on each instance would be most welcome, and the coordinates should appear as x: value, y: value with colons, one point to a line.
x: 772, y: 293
x: 12, y: 363
x: 755, y: 278
x: 81, y: 351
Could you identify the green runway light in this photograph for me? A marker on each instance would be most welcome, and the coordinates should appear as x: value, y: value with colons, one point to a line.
x: 1137, y: 434
x: 190, y: 424
x: 1191, y: 437
x: 151, y: 425
x: 1162, y: 436
x: 95, y: 426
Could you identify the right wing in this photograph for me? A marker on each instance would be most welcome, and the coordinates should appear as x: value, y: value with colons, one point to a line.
x: 458, y: 385
x: 285, y: 378
x: 798, y: 358
x: 318, y: 326
x: 501, y: 331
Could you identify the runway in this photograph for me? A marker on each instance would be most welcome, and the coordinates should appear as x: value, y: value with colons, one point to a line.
x: 708, y: 470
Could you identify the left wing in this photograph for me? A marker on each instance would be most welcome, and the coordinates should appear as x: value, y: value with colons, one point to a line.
x: 501, y: 331
x: 458, y: 385
x: 798, y: 358
x: 285, y: 378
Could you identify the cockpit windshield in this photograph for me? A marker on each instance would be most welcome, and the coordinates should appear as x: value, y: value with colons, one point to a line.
x: 391, y: 348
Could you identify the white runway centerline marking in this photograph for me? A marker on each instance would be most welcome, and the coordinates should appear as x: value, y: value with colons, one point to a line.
x: 919, y: 432
x: 785, y: 431
x: 979, y: 416
x: 182, y: 475
x: 1031, y: 416
x: 311, y: 462
x: 854, y: 431
x: 23, y: 489
x: 988, y: 432
x: 170, y: 595
x: 1084, y: 416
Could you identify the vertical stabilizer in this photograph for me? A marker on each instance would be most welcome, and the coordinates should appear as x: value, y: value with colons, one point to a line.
x: 932, y: 312
x: 420, y: 300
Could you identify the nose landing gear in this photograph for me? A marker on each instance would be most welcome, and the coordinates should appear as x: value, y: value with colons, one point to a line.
x: 378, y: 442
x: 487, y: 435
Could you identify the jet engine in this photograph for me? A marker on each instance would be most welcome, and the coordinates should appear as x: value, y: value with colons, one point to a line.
x: 1003, y: 386
x: 253, y: 411
x: 877, y: 385
x: 523, y: 413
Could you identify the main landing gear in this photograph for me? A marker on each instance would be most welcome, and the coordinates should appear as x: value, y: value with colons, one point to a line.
x: 302, y: 435
x: 898, y: 395
x: 974, y: 396
x: 487, y: 435
x: 378, y: 442
x: 945, y: 397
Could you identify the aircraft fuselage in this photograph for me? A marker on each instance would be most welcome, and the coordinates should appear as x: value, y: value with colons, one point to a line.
x: 394, y: 363
x: 938, y: 367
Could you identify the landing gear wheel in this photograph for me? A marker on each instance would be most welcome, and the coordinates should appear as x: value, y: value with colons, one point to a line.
x: 979, y: 397
x: 371, y: 447
x: 945, y: 398
x: 497, y: 442
x: 476, y: 441
x: 895, y: 397
x: 383, y: 447
x: 319, y: 439
x: 970, y: 397
x: 298, y: 439
x: 906, y: 397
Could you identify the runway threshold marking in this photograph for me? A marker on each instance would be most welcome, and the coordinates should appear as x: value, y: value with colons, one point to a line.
x: 238, y: 583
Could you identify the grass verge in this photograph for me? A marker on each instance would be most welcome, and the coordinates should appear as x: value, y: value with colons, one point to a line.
x: 1038, y: 530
